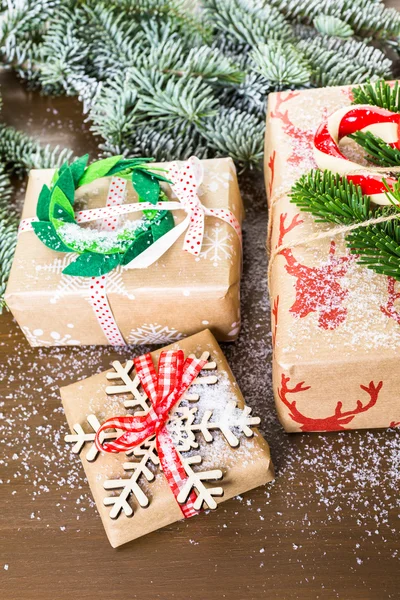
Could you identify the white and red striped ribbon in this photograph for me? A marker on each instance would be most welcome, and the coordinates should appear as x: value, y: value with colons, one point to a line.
x: 348, y: 120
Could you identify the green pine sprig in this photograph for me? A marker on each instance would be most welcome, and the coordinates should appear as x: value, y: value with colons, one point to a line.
x: 379, y: 93
x: 378, y: 151
x: 332, y: 199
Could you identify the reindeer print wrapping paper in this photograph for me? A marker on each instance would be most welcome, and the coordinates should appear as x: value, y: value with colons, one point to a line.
x: 335, y: 325
x: 210, y: 420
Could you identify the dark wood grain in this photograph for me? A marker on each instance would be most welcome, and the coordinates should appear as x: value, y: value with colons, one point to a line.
x: 327, y: 528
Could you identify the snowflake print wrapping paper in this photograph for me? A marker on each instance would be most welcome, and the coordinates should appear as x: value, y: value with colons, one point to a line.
x: 335, y: 325
x: 178, y: 295
x: 212, y: 429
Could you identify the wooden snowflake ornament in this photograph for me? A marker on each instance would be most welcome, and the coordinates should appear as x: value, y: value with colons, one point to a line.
x: 80, y: 438
x: 189, y: 419
x: 167, y: 435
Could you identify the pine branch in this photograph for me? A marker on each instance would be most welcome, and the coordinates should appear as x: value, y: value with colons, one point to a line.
x: 331, y: 198
x: 247, y: 23
x: 20, y: 153
x: 378, y: 246
x: 333, y: 26
x: 114, y: 114
x: 367, y: 18
x: 235, y: 134
x: 378, y: 151
x: 379, y: 93
x: 163, y: 98
x: 181, y: 61
x: 8, y: 232
x: 250, y: 96
x: 176, y: 141
x: 281, y: 64
x: 338, y: 62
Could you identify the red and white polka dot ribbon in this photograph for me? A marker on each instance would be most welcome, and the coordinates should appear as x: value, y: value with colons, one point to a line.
x: 98, y: 285
x: 348, y: 120
x: 187, y: 180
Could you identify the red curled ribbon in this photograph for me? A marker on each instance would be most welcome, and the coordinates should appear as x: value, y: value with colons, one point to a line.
x: 164, y: 389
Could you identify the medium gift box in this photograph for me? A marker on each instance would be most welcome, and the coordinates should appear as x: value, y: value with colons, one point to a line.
x: 335, y: 323
x: 164, y: 436
x: 193, y: 283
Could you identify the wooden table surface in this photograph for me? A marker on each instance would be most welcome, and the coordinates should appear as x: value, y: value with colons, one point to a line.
x: 326, y: 528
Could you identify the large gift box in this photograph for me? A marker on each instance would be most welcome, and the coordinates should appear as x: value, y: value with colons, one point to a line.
x: 197, y: 450
x: 335, y: 324
x: 179, y: 294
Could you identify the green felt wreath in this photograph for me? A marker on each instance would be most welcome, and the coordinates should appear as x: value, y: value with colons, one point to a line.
x: 100, y: 251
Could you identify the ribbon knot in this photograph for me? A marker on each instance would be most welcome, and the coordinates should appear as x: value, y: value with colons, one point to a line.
x: 164, y: 389
x: 186, y: 182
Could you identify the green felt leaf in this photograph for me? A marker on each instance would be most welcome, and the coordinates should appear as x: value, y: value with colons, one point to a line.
x: 66, y: 183
x: 59, y: 198
x: 78, y: 167
x: 146, y: 186
x: 162, y: 226
x: 90, y: 264
x: 47, y: 234
x: 55, y: 177
x: 43, y: 205
x: 62, y: 168
x: 61, y: 215
x: 139, y: 245
x: 98, y: 169
x: 158, y: 174
x: 127, y: 164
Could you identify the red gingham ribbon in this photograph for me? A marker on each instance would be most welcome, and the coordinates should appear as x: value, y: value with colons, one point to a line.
x: 164, y: 390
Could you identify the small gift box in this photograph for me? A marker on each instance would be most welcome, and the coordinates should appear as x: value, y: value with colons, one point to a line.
x: 87, y: 270
x: 164, y: 436
x: 335, y: 324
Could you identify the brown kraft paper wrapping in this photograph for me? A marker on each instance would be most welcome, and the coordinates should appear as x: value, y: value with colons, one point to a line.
x: 178, y: 295
x: 335, y: 325
x: 244, y: 467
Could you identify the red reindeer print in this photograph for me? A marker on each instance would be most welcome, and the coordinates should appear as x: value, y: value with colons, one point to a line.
x: 394, y: 424
x: 317, y: 288
x: 390, y: 307
x: 348, y: 94
x: 275, y: 316
x: 283, y: 230
x: 302, y: 146
x: 271, y: 165
x: 334, y: 422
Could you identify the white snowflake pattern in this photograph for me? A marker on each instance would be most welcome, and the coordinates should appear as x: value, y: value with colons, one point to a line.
x: 69, y: 284
x: 154, y: 334
x: 37, y: 337
x: 215, y: 410
x: 217, y: 179
x: 217, y: 245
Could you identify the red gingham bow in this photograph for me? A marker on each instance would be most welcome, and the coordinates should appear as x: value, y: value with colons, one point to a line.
x: 164, y: 390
